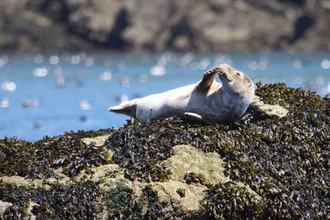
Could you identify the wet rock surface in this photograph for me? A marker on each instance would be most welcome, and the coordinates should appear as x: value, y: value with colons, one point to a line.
x: 226, y: 26
x: 260, y: 167
x: 266, y: 109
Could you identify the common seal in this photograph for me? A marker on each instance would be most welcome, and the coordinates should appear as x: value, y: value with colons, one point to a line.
x: 207, y: 101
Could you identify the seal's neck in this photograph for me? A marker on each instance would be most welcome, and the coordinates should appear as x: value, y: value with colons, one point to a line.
x: 238, y: 98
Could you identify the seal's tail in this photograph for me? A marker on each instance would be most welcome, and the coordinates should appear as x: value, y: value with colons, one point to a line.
x: 126, y: 108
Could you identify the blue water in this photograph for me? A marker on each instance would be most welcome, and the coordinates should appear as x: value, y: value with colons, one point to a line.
x: 49, y: 94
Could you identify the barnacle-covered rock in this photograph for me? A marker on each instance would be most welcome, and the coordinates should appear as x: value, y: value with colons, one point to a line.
x: 4, y: 206
x: 188, y: 160
x: 263, y: 166
x: 267, y: 109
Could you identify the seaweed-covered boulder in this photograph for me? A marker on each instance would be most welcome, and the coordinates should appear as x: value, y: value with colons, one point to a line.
x: 270, y: 164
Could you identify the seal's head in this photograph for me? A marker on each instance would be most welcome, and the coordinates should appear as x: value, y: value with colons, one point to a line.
x: 236, y: 84
x: 235, y: 81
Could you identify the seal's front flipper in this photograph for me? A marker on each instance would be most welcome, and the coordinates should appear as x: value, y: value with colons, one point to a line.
x: 198, y: 118
x: 208, y: 82
x: 126, y: 108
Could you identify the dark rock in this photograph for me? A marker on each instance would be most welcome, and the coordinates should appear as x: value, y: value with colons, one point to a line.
x: 227, y: 26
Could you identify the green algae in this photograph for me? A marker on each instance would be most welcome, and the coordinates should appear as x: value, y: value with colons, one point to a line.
x: 119, y: 202
x: 155, y: 209
x: 39, y: 159
x: 232, y: 202
x: 58, y: 202
x: 181, y: 192
x: 195, y: 178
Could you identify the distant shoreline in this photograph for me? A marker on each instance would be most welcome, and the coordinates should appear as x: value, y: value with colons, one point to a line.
x: 141, y: 26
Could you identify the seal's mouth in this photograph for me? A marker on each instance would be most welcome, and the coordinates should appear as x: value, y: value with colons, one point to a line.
x: 223, y: 75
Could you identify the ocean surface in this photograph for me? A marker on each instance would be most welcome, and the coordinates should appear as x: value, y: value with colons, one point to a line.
x: 48, y: 94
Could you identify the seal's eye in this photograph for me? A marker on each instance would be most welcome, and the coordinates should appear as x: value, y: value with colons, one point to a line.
x: 238, y: 74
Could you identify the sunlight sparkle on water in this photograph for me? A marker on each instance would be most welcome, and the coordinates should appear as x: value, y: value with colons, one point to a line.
x: 38, y: 58
x: 106, y: 75
x: 40, y: 72
x: 54, y: 60
x: 8, y: 86
x: 325, y: 64
x: 71, y: 83
x: 4, y: 103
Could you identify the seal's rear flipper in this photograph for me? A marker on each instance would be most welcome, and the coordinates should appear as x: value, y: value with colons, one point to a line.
x: 126, y: 108
x: 198, y: 118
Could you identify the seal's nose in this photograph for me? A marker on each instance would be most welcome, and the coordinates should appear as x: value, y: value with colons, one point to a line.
x: 224, y: 65
x: 221, y: 69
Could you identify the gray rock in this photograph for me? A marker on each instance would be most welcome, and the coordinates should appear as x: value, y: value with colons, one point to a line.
x: 270, y: 110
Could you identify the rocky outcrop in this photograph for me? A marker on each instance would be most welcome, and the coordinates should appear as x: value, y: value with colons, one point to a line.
x: 149, y: 25
x: 263, y: 166
x: 266, y: 109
